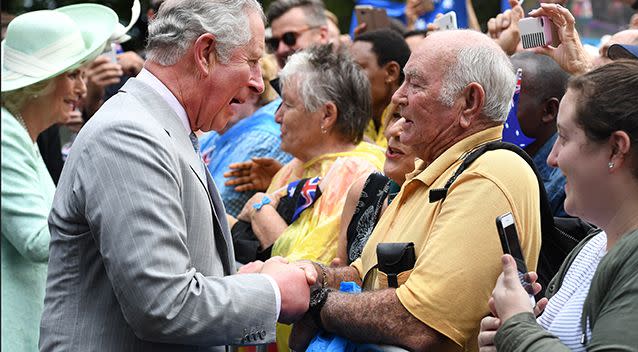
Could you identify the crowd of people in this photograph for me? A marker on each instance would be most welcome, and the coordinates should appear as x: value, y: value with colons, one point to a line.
x: 228, y: 184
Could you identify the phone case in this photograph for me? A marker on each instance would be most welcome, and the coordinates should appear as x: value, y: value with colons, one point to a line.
x: 536, y: 32
x: 447, y: 21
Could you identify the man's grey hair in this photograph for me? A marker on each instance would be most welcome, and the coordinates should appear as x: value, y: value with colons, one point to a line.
x: 320, y: 75
x: 313, y: 9
x: 487, y: 66
x: 179, y: 23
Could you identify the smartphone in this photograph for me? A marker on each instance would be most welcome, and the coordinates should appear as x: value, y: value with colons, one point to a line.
x: 447, y: 21
x: 509, y: 241
x: 110, y: 51
x: 373, y: 17
x: 538, y: 31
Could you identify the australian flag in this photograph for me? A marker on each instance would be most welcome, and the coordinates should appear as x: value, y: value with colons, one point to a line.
x: 309, y: 193
x: 512, y: 132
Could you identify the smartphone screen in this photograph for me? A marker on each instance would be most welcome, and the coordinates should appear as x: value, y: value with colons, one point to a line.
x: 511, y: 245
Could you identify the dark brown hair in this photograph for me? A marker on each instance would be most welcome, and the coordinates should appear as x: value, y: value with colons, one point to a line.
x: 607, y: 101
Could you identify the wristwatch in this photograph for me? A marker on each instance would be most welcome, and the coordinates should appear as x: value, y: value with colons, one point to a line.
x: 318, y: 299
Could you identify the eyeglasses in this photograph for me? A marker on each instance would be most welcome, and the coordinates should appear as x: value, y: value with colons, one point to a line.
x: 289, y: 38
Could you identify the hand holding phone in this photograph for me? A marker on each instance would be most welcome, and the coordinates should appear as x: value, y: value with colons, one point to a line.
x: 447, y: 22
x: 373, y: 17
x: 511, y: 245
x: 538, y: 31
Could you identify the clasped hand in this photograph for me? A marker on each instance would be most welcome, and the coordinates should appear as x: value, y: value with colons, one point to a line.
x: 294, y: 281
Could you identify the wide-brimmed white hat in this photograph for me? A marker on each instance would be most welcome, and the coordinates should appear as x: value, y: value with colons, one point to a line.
x: 43, y: 44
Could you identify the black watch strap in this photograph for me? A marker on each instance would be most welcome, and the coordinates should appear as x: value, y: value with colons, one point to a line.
x: 317, y: 300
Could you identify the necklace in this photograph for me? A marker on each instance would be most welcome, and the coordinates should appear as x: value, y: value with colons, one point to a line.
x: 21, y: 121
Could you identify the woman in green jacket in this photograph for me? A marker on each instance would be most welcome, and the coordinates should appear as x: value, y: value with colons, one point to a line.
x: 594, y: 297
x: 42, y: 84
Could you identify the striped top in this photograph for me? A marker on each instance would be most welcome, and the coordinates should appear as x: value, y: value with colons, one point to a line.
x: 563, y: 312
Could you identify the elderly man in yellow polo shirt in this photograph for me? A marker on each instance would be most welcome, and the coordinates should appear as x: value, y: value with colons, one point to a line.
x: 455, y: 98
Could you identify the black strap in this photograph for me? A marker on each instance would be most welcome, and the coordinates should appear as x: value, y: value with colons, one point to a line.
x: 548, y: 229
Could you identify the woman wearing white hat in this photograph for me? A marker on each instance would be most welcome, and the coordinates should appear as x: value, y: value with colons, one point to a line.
x: 42, y: 83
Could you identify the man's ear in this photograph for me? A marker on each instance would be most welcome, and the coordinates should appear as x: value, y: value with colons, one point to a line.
x: 392, y: 71
x: 324, y: 37
x: 550, y: 111
x: 329, y: 118
x: 472, y: 104
x: 205, y: 53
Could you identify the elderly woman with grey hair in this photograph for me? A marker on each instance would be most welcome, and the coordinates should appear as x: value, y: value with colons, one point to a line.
x: 325, y: 108
x: 42, y: 83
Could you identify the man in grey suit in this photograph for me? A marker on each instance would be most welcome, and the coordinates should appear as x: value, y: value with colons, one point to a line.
x: 141, y: 256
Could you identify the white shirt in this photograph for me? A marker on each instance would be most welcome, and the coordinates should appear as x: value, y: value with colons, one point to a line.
x: 563, y: 312
x: 149, y: 79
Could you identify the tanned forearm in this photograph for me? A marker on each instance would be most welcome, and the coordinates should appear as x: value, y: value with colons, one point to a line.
x: 377, y: 317
x: 334, y: 276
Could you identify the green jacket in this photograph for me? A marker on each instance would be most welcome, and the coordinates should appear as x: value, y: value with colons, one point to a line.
x: 611, y: 306
x: 27, y: 195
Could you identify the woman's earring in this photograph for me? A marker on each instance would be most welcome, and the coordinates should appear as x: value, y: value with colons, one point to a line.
x: 611, y: 165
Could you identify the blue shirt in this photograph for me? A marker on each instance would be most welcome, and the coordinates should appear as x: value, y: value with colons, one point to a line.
x: 553, y: 178
x: 255, y: 136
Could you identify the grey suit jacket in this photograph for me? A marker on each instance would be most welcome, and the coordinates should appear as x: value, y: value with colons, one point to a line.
x: 140, y: 252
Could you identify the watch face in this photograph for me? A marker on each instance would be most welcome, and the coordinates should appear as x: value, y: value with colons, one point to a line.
x: 317, y: 297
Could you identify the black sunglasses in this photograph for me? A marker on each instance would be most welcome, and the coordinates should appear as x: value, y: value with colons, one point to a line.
x: 289, y: 38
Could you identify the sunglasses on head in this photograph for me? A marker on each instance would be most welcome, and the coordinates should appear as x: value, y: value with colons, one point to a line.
x: 289, y: 38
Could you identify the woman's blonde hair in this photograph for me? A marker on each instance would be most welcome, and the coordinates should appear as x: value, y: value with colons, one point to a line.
x: 15, y: 100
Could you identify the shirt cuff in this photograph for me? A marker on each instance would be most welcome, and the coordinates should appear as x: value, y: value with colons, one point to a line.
x: 275, y: 288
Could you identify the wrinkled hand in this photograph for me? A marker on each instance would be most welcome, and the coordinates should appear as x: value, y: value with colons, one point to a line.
x: 131, y: 62
x: 489, y: 326
x: 102, y: 72
x: 258, y: 265
x: 253, y: 175
x: 415, y: 9
x: 509, y: 297
x: 504, y: 29
x: 294, y: 286
x: 302, y: 333
x: 312, y: 274
x: 248, y: 211
x: 570, y: 53
x: 251, y: 268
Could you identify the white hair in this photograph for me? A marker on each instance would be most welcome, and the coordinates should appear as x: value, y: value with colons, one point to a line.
x: 488, y: 67
x: 179, y: 23
x: 320, y: 75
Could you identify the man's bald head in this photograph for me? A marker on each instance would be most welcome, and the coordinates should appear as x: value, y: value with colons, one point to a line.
x: 470, y: 56
x: 628, y: 36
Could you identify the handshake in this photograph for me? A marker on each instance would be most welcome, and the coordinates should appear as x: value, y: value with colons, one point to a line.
x: 295, y: 281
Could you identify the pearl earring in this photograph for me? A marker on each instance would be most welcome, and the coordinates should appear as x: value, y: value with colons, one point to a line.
x: 611, y: 164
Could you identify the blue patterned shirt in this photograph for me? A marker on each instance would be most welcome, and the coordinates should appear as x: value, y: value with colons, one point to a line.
x: 553, y: 178
x: 255, y: 136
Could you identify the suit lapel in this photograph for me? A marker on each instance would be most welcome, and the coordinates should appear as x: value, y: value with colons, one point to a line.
x: 222, y: 241
x: 173, y: 126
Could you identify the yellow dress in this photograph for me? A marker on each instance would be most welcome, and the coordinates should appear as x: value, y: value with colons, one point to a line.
x: 314, y: 234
